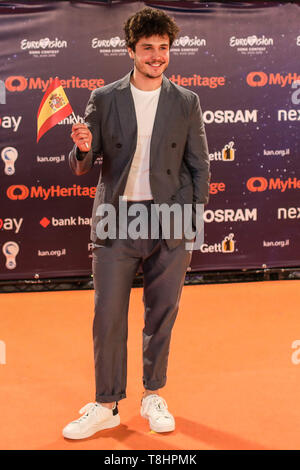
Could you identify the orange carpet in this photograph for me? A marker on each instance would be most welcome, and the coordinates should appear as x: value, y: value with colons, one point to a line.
x: 233, y: 377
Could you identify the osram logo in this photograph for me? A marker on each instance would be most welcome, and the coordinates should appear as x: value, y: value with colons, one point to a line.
x: 259, y: 184
x: 21, y: 192
x: 230, y: 116
x: 259, y: 79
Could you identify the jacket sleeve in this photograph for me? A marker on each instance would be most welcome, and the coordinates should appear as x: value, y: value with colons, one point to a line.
x: 196, y: 155
x: 82, y: 162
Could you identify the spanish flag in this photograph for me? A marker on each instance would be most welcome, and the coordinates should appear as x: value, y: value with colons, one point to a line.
x: 54, y: 108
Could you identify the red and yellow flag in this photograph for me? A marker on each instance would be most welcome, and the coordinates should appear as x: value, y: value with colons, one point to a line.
x: 54, y: 108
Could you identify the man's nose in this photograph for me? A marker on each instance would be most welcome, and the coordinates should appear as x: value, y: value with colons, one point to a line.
x: 157, y: 54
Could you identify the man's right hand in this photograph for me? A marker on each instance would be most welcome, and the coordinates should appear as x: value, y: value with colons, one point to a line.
x: 82, y: 137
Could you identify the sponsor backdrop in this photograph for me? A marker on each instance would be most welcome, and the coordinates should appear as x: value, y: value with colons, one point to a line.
x: 242, y: 60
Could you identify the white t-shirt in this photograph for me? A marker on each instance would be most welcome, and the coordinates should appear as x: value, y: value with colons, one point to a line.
x: 138, y: 184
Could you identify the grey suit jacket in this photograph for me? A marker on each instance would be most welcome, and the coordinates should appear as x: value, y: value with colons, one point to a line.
x: 179, y: 162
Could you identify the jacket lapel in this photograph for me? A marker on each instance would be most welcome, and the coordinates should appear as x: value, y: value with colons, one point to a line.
x: 127, y: 116
x: 162, y: 117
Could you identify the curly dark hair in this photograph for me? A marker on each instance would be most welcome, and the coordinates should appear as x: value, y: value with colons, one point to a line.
x: 148, y: 22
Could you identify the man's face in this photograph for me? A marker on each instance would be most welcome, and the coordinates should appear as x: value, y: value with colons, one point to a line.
x: 151, y: 55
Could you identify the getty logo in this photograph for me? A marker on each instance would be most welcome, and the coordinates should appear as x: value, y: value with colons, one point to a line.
x: 9, y: 155
x: 10, y: 251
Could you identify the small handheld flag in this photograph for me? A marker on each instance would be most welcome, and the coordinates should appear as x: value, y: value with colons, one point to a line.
x: 54, y: 108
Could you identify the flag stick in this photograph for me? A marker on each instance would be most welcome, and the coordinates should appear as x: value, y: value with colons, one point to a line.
x: 76, y: 122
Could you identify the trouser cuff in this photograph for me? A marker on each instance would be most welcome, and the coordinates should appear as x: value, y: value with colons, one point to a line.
x: 110, y: 398
x: 154, y: 384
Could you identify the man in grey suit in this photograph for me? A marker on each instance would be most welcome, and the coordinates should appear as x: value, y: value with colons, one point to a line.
x: 151, y: 136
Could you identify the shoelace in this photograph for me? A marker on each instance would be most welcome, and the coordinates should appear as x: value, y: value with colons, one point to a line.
x: 157, y: 405
x: 88, y: 409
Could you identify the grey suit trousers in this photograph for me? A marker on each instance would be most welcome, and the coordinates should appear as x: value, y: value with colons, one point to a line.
x: 114, y: 269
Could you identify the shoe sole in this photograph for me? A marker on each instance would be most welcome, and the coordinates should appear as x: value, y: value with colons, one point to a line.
x: 112, y: 423
x: 169, y: 428
x: 159, y: 430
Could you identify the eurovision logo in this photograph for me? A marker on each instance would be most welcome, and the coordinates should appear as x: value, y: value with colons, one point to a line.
x: 44, y: 47
x: 114, y: 46
x: 251, y: 45
x: 186, y: 45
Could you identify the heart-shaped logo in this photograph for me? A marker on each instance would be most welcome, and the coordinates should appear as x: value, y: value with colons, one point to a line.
x: 114, y: 41
x: 251, y: 40
x: 44, y: 42
x: 184, y: 40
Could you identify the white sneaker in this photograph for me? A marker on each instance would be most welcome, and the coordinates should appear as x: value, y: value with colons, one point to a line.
x: 155, y: 409
x: 95, y: 418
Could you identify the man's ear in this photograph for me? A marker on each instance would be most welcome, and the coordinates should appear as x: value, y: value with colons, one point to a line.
x: 130, y: 52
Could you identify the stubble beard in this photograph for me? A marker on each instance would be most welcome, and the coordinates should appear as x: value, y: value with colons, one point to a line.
x: 148, y: 75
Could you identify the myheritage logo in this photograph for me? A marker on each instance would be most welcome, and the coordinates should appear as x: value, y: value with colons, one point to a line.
x: 21, y: 192
x: 259, y: 79
x: 259, y: 184
x: 19, y: 83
